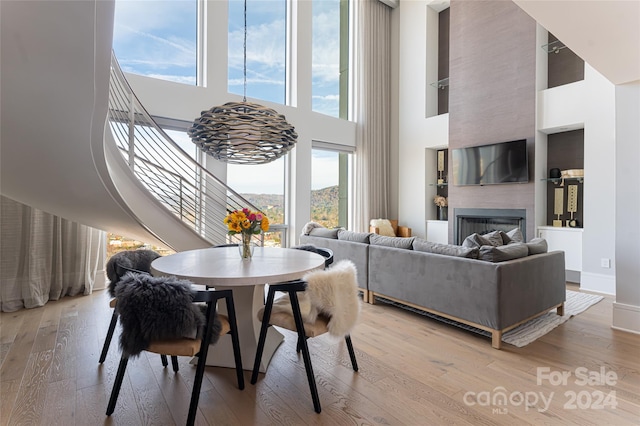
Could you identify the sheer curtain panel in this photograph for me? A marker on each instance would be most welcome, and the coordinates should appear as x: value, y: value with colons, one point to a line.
x: 372, y: 110
x: 44, y: 257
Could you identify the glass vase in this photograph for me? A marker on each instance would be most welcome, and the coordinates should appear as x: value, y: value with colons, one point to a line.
x: 246, y: 247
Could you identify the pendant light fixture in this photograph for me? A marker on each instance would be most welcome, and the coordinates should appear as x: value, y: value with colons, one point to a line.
x: 243, y: 132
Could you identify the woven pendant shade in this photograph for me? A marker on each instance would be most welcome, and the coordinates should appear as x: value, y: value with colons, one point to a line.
x: 243, y: 133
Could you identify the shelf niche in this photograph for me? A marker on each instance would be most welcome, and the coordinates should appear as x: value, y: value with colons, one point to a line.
x: 565, y: 151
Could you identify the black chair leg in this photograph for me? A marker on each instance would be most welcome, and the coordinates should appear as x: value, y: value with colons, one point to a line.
x: 174, y: 363
x: 263, y: 336
x: 163, y: 358
x: 302, y: 341
x: 107, y: 340
x: 352, y: 353
x: 117, y: 384
x: 231, y: 312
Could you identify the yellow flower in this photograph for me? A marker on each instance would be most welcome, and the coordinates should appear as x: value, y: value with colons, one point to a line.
x: 264, y: 224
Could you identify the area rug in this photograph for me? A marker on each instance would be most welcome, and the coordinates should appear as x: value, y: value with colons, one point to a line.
x: 526, y: 333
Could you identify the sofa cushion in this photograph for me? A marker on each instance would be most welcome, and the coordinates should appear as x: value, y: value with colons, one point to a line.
x: 396, y: 242
x: 537, y: 246
x: 384, y: 227
x: 356, y: 237
x: 446, y: 249
x: 324, y: 232
x: 504, y: 252
x: 513, y: 236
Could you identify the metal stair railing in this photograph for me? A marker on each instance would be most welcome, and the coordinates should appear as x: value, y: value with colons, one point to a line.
x: 178, y: 181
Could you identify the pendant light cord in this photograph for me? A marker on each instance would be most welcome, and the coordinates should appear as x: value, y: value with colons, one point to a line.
x: 244, y: 47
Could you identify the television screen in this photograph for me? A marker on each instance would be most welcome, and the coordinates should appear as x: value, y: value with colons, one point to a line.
x: 504, y: 162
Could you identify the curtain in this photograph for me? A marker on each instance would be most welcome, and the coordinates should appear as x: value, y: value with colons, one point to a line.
x: 372, y: 112
x: 44, y: 257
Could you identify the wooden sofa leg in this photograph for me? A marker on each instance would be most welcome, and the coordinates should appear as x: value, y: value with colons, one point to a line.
x: 372, y: 298
x: 560, y: 310
x: 496, y: 339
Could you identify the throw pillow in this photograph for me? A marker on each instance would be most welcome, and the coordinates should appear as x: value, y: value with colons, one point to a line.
x: 475, y: 241
x: 444, y: 249
x: 384, y: 227
x: 396, y: 242
x: 324, y: 232
x: 513, y: 236
x: 537, y: 246
x: 503, y: 253
x: 356, y: 237
x: 494, y: 238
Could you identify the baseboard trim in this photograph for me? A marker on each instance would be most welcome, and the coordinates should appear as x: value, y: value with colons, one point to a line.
x: 598, y: 283
x: 626, y: 318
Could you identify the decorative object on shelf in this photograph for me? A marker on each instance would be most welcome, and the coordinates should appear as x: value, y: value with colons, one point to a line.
x: 440, y: 167
x: 441, y: 202
x: 246, y: 223
x: 572, y: 204
x: 555, y: 173
x: 243, y: 132
x: 558, y: 206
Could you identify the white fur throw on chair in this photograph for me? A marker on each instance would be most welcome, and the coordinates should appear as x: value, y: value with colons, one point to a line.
x: 332, y: 292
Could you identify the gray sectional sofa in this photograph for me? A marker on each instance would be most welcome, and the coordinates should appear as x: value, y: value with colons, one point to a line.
x: 491, y: 285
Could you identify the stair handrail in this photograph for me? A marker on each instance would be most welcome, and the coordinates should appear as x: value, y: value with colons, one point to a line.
x: 162, y: 166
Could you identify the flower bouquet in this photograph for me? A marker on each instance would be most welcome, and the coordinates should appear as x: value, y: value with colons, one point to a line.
x: 246, y: 223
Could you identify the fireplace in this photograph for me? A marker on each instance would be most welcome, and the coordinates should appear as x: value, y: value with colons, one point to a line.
x: 481, y: 221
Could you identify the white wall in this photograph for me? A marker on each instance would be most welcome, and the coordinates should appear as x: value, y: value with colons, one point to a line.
x: 626, y: 309
x: 419, y: 128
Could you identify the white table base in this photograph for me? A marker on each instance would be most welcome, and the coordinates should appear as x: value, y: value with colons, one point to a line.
x: 247, y: 300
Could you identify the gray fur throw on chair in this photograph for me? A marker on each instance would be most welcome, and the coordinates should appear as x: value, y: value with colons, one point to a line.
x: 132, y: 259
x: 157, y: 308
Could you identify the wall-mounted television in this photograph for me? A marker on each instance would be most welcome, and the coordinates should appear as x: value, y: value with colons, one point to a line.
x: 498, y: 163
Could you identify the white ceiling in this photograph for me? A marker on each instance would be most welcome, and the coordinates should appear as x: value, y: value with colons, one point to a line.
x: 605, y: 33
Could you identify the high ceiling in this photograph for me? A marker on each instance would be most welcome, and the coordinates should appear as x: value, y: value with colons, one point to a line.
x: 606, y: 34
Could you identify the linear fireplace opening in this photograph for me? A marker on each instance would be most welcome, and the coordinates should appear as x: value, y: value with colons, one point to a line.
x: 482, y: 221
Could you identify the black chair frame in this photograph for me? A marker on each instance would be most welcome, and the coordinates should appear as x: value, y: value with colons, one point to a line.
x: 211, y: 298
x: 292, y: 288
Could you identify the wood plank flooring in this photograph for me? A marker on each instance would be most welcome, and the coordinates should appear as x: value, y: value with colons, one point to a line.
x: 413, y: 371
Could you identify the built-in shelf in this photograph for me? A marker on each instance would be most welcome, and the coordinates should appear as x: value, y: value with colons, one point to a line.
x: 561, y: 180
x: 553, y: 47
x: 440, y: 84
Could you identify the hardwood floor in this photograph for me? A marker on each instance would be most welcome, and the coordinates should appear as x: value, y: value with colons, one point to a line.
x: 413, y: 371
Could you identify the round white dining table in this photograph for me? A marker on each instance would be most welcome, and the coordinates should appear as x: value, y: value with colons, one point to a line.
x: 222, y: 268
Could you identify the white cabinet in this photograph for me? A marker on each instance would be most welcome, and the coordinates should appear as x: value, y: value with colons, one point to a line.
x: 438, y: 231
x: 568, y: 240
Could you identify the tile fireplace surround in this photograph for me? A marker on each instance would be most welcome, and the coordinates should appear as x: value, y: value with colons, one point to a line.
x: 469, y: 221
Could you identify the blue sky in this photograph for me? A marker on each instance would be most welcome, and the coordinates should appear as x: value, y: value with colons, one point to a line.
x: 163, y: 45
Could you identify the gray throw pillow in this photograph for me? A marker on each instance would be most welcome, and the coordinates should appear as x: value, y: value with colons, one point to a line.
x: 537, y: 246
x: 356, y: 237
x: 513, y: 236
x: 475, y: 241
x: 397, y: 242
x: 494, y: 238
x: 445, y: 249
x: 325, y: 232
x: 503, y: 253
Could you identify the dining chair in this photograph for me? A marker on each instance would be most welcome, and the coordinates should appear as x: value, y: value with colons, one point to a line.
x: 164, y: 315
x: 324, y: 252
x: 323, y: 301
x: 138, y: 261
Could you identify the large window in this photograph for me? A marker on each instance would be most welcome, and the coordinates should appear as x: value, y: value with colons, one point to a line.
x: 330, y: 57
x: 266, y: 49
x: 330, y: 182
x: 263, y: 185
x: 157, y: 38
